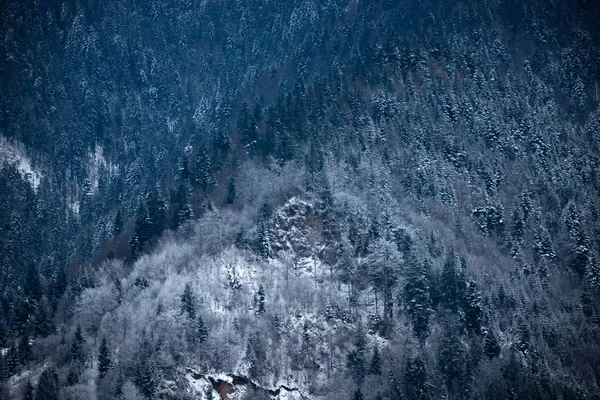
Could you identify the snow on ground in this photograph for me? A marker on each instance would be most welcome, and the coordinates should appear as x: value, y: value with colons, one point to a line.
x: 17, y: 382
x: 14, y: 153
x: 96, y: 161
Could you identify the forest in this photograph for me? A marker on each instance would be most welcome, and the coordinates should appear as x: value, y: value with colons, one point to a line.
x: 299, y: 199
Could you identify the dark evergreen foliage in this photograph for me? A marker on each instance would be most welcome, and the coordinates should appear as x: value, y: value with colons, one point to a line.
x: 48, y: 385
x: 188, y: 302
x: 104, y: 358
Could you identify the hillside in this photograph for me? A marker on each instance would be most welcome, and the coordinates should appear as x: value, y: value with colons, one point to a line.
x: 300, y: 200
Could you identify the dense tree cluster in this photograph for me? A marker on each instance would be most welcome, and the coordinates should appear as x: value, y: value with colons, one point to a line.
x: 388, y: 199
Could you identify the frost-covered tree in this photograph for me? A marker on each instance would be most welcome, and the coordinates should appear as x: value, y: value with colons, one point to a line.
x: 384, y: 262
x: 417, y: 297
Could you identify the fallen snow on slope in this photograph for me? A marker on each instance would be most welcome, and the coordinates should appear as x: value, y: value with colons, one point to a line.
x: 13, y: 153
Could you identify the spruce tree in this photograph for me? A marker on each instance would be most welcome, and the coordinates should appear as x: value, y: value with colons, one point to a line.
x: 43, y: 323
x: 47, y: 388
x: 73, y: 374
x: 356, y: 361
x: 417, y: 298
x: 76, y: 353
x: 415, y: 379
x: 24, y: 350
x: 260, y: 300
x: 202, y: 331
x: 104, y: 360
x: 452, y: 283
x: 375, y: 368
x: 188, y: 302
x: 491, y: 345
x: 473, y: 309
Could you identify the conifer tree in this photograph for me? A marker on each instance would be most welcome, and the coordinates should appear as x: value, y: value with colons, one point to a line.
x: 33, y: 286
x: 188, y: 302
x: 417, y: 298
x: 375, y: 368
x: 356, y: 361
x: 47, y: 388
x: 73, y: 374
x: 491, y: 345
x: 231, y: 191
x: 260, y: 300
x: 11, y: 363
x: 24, y: 349
x: 43, y: 323
x: 118, y: 224
x: 3, y: 333
x: 104, y: 360
x: 473, y: 309
x: 202, y: 331
x: 28, y: 392
x: 415, y: 379
x: 452, y: 284
x: 358, y: 395
x: 76, y: 352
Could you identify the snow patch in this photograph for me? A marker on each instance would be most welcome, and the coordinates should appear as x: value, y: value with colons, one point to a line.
x: 96, y: 161
x: 14, y: 153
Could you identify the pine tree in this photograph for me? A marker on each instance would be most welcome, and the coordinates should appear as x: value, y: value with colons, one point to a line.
x: 104, y: 360
x: 188, y: 302
x: 375, y: 368
x: 28, y: 393
x: 202, y: 331
x: 358, y: 395
x: 47, y: 388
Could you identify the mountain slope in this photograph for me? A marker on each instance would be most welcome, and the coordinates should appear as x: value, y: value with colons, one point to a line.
x: 366, y: 199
